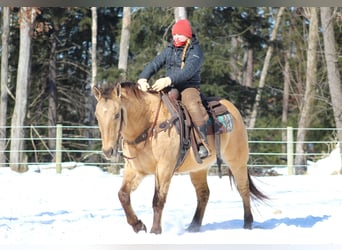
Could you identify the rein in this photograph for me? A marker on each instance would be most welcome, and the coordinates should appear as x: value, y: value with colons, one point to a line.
x: 119, y: 136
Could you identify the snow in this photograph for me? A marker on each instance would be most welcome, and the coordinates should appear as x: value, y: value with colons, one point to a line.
x: 328, y: 165
x: 80, y: 206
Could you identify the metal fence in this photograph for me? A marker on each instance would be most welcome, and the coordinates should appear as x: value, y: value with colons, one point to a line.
x: 72, y: 146
x: 275, y: 147
x: 81, y: 145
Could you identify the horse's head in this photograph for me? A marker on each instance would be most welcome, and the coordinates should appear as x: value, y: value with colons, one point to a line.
x: 109, y: 116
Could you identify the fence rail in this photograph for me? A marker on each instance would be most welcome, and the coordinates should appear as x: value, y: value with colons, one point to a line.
x: 75, y: 145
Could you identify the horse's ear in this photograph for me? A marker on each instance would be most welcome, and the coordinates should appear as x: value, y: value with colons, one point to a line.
x: 117, y: 90
x: 97, y: 93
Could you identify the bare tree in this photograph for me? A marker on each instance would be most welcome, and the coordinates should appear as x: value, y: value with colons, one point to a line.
x: 89, y: 99
x: 27, y: 17
x: 265, y: 69
x: 52, y: 93
x: 4, y: 81
x: 334, y: 78
x: 124, y: 41
x: 287, y: 82
x: 311, y: 79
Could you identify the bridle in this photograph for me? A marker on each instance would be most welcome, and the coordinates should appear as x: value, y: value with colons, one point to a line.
x: 148, y: 132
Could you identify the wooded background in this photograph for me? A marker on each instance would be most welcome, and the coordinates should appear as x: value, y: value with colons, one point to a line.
x: 280, y: 66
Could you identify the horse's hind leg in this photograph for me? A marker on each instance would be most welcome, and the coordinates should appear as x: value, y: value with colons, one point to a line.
x: 130, y: 182
x: 240, y: 174
x: 199, y: 180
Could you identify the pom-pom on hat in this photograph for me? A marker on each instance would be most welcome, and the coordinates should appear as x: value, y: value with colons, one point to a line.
x: 182, y: 27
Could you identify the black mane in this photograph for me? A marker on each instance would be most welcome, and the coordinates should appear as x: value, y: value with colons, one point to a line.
x: 130, y: 87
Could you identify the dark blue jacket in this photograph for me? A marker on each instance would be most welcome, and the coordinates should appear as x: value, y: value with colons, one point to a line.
x: 171, y: 58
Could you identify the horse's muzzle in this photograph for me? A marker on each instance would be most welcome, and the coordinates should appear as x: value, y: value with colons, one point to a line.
x: 110, y: 153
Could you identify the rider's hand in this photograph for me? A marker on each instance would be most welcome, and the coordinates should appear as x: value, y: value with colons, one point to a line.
x: 143, y: 84
x: 161, y: 83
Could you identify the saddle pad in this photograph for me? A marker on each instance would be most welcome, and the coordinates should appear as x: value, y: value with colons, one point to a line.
x: 227, y: 121
x: 225, y: 124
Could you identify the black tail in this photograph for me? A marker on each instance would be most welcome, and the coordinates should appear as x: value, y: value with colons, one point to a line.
x: 256, y: 194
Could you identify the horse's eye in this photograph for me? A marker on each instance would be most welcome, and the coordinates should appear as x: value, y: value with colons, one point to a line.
x: 117, y: 116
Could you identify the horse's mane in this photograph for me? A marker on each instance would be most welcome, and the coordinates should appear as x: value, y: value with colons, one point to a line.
x: 130, y: 87
x: 106, y: 91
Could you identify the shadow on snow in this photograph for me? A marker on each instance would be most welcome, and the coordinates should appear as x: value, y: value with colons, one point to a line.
x: 306, y: 222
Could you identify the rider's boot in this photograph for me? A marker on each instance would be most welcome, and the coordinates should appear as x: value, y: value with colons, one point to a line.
x: 203, y: 151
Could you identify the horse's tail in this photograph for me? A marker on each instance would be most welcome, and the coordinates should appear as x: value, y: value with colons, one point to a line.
x: 256, y: 194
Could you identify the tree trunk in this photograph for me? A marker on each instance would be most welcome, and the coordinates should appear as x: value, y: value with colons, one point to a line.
x: 307, y: 104
x: 235, y: 73
x: 264, y: 70
x: 248, y: 70
x: 52, y: 94
x: 180, y: 13
x: 334, y: 78
x: 93, y: 46
x: 90, y: 101
x: 4, y: 81
x: 286, y: 95
x: 89, y: 98
x: 124, y: 41
x: 17, y: 157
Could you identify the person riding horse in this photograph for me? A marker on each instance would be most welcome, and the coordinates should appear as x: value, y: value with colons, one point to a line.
x: 183, y: 59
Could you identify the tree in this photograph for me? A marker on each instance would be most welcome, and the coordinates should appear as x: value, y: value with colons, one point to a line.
x: 89, y: 100
x: 52, y: 92
x: 234, y: 45
x: 150, y: 34
x: 249, y: 67
x: 124, y: 41
x: 264, y: 70
x: 180, y: 13
x: 334, y: 78
x: 287, y: 82
x: 93, y: 45
x: 17, y: 158
x: 4, y: 81
x: 309, y: 95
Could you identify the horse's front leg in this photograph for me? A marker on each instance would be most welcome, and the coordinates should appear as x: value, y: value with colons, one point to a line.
x: 199, y: 181
x: 130, y: 182
x: 162, y: 184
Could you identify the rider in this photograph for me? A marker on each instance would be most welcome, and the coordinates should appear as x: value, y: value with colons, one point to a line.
x: 183, y: 59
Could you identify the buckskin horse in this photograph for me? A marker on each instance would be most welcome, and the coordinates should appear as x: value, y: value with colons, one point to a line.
x: 125, y: 115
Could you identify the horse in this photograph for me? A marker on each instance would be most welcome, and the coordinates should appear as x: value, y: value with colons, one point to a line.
x: 125, y: 114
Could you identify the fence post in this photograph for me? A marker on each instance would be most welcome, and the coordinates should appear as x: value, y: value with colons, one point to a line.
x: 290, y: 150
x: 59, y: 149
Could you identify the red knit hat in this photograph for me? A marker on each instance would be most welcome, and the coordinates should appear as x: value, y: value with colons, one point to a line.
x: 182, y: 27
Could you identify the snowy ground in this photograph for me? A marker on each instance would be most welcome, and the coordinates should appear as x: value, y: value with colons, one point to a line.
x: 80, y: 206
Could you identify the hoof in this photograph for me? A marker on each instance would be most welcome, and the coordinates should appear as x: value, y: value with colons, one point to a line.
x: 247, y: 226
x: 248, y: 221
x: 139, y: 226
x: 193, y: 229
x: 155, y: 231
